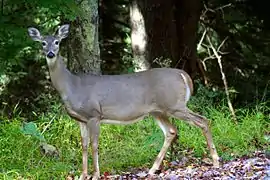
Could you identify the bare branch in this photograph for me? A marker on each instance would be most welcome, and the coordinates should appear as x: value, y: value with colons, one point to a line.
x: 216, y: 53
x: 216, y: 9
x: 202, y: 68
x: 209, y: 57
x: 224, y: 6
x: 222, y: 43
x: 223, y: 53
x: 204, y: 65
x: 201, y: 40
x: 265, y: 91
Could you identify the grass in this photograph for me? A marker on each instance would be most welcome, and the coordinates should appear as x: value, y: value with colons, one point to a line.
x: 122, y: 147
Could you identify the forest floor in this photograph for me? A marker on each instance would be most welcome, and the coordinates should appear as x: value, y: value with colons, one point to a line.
x: 256, y: 166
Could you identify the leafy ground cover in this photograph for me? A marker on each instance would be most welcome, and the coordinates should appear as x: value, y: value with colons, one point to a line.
x: 255, y: 166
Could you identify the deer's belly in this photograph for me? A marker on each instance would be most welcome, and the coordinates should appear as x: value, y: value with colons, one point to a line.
x: 122, y: 122
x: 125, y: 115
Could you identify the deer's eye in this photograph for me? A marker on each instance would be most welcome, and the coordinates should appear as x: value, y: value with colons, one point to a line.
x: 56, y: 42
x: 44, y: 43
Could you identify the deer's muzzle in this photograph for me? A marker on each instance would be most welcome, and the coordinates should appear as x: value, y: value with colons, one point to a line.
x: 50, y: 55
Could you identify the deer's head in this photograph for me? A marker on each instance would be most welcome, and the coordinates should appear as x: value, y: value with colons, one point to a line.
x: 50, y: 43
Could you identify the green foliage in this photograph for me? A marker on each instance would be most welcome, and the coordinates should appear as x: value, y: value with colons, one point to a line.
x: 22, y: 70
x: 239, y: 31
x: 31, y: 129
x: 17, y: 17
x: 115, y: 38
x: 20, y: 156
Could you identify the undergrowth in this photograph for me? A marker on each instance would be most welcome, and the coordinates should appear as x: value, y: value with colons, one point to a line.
x: 123, y: 147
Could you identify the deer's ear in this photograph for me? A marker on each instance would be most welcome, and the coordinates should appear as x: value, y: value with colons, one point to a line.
x: 63, y: 31
x: 34, y: 34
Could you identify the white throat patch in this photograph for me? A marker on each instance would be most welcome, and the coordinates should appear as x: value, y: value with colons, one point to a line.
x: 51, y: 61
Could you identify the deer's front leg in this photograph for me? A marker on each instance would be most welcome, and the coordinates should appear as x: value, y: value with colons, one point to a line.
x: 94, y: 127
x: 85, y: 142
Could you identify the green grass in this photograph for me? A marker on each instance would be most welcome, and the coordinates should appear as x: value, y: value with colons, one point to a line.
x: 121, y: 147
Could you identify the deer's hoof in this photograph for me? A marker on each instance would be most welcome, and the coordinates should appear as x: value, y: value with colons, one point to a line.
x: 152, y: 176
x: 216, y: 162
x: 152, y: 171
x: 84, y: 177
x: 216, y: 165
x: 95, y: 176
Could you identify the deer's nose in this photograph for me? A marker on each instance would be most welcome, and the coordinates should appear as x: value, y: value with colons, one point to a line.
x: 50, y: 55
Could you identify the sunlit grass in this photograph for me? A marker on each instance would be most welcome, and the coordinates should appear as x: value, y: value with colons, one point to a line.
x: 121, y: 147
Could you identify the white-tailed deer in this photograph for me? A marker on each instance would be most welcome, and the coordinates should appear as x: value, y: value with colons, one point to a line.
x: 121, y: 99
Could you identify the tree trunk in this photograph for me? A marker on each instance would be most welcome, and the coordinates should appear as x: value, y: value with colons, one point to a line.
x: 161, y: 31
x: 187, y: 13
x: 171, y: 28
x: 83, y: 43
x: 138, y: 37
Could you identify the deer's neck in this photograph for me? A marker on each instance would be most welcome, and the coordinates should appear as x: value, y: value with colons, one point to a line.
x: 63, y: 80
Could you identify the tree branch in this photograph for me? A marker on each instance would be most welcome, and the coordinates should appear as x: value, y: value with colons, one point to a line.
x: 218, y: 57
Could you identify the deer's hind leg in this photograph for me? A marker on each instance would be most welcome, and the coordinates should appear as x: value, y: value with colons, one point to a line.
x: 201, y: 122
x: 169, y: 132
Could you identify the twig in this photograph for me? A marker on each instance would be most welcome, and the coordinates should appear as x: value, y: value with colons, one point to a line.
x: 214, y: 10
x: 202, y: 68
x: 265, y: 91
x: 47, y: 126
x: 216, y: 53
x: 222, y: 43
x: 201, y: 40
x: 201, y: 64
x: 224, y: 6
